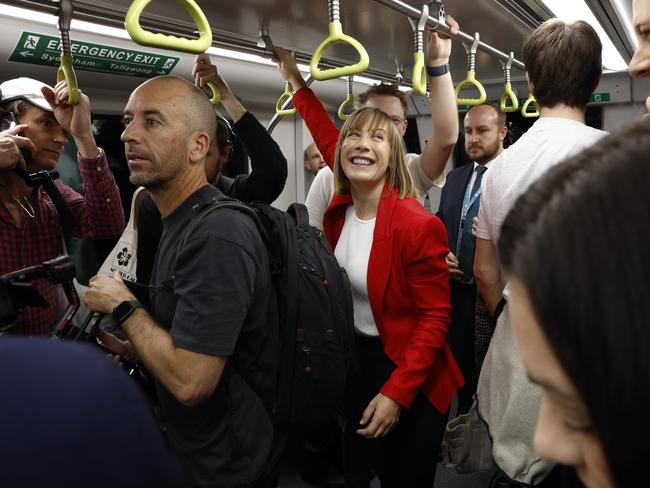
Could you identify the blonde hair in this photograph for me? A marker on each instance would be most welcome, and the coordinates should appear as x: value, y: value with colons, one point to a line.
x: 398, y: 174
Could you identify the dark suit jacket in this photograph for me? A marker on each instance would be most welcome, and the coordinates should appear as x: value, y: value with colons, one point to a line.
x: 408, y: 290
x: 451, y: 201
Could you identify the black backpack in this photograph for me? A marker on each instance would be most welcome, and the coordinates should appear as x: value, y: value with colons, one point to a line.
x: 314, y: 304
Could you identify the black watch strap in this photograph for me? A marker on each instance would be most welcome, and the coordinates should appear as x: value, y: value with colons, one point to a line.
x: 438, y: 70
x: 124, y: 310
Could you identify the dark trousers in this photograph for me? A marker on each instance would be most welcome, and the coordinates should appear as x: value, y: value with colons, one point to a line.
x: 406, y: 457
x: 461, y: 339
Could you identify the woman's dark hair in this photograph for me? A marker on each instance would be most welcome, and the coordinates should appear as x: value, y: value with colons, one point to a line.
x: 579, y: 241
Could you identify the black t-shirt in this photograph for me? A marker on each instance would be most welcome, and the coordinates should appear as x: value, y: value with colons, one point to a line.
x: 215, y: 298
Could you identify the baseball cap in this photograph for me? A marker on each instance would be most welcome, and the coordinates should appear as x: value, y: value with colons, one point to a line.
x: 24, y: 89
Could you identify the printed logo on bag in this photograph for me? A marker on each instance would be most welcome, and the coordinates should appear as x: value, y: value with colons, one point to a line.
x: 124, y: 257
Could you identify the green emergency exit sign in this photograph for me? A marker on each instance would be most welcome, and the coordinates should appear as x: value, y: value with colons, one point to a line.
x: 603, y: 97
x: 42, y: 49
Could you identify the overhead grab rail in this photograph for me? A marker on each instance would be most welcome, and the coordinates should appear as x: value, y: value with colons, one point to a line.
x: 470, y: 78
x: 174, y: 43
x: 336, y: 35
x: 419, y: 68
x: 349, y: 100
x: 66, y: 69
x: 280, y: 108
x: 525, y: 112
x: 440, y: 26
x: 508, y: 94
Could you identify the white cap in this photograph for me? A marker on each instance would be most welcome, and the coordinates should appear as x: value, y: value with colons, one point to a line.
x: 24, y: 89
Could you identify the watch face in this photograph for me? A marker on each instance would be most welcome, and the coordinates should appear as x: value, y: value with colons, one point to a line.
x: 124, y: 309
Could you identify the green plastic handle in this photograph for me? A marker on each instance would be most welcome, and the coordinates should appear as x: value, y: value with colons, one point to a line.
x: 66, y: 72
x: 470, y: 79
x: 164, y: 41
x: 419, y: 74
x: 524, y: 109
x: 216, y: 94
x: 288, y: 93
x: 349, y: 100
x: 509, y: 96
x: 335, y: 36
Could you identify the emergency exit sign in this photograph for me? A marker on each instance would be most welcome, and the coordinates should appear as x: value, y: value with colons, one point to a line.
x: 34, y: 48
x: 603, y: 97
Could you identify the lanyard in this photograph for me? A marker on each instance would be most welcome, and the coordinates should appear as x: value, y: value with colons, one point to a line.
x: 467, y: 204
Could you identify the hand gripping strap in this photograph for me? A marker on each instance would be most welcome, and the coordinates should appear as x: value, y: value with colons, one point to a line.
x: 66, y: 72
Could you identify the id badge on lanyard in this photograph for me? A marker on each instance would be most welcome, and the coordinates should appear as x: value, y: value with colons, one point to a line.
x: 467, y: 204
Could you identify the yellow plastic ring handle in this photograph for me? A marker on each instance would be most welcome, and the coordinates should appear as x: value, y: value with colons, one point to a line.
x: 349, y: 100
x: 288, y: 93
x: 509, y: 96
x: 216, y: 94
x: 470, y: 79
x: 336, y: 36
x: 419, y: 74
x: 524, y: 109
x: 164, y: 41
x: 66, y: 72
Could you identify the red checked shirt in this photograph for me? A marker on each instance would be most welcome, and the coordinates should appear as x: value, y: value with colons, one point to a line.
x: 38, y: 239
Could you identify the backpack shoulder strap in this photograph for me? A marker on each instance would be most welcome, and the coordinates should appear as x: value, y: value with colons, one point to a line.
x: 300, y: 213
x: 205, y: 209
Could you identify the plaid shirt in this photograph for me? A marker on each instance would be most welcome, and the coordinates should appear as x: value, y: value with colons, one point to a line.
x: 38, y: 239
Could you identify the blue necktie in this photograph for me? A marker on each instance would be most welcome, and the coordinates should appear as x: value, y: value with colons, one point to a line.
x: 467, y: 241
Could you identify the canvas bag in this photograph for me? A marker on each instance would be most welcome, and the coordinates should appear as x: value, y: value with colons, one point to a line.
x: 509, y: 403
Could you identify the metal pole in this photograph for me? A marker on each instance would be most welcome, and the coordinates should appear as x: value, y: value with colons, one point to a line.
x: 434, y: 23
x: 276, y: 118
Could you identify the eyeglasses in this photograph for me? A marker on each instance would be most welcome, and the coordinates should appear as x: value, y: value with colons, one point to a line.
x: 397, y: 120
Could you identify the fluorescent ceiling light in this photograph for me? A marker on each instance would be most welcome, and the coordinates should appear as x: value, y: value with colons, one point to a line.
x: 570, y: 11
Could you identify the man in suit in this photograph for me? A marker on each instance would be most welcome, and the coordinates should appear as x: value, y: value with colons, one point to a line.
x: 485, y: 130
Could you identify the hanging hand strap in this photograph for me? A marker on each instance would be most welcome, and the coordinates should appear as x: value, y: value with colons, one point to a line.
x: 288, y: 93
x: 419, y: 68
x: 349, y: 100
x: 336, y: 35
x: 508, y: 94
x: 470, y: 78
x: 174, y: 43
x: 66, y: 70
x: 524, y: 109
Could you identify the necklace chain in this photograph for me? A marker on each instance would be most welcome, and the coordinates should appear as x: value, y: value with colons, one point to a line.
x: 29, y: 211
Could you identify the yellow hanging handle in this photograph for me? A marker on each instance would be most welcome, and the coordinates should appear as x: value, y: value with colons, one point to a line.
x: 66, y: 72
x: 336, y: 36
x: 419, y: 74
x: 509, y: 95
x: 470, y: 78
x: 349, y: 100
x: 524, y: 109
x: 288, y: 93
x: 174, y: 43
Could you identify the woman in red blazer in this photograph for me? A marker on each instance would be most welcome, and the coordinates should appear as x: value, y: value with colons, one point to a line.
x: 394, y: 253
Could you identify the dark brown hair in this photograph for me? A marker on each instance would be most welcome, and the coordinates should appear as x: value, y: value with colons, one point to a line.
x: 563, y: 62
x: 384, y: 89
x: 577, y: 240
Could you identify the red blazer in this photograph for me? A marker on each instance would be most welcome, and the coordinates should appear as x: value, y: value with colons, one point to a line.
x: 408, y: 289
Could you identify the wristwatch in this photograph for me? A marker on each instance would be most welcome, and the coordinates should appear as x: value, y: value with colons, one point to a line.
x: 438, y: 70
x: 124, y: 310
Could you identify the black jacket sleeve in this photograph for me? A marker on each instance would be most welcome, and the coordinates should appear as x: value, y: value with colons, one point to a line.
x: 268, y: 165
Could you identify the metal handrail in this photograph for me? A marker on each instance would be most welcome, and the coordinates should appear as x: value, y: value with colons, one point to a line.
x: 436, y: 24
